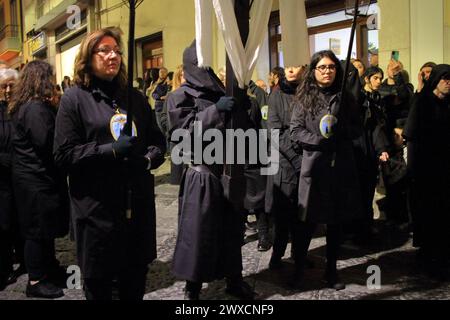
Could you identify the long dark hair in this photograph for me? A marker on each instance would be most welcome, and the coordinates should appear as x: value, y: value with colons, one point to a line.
x: 307, y: 95
x: 83, y: 69
x: 35, y: 83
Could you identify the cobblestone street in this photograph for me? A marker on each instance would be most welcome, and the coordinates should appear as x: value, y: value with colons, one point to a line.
x: 400, y: 279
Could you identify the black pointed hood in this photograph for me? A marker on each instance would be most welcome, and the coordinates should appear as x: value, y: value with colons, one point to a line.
x: 202, y: 79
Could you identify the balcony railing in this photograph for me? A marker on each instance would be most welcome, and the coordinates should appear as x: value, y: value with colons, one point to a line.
x: 9, y: 31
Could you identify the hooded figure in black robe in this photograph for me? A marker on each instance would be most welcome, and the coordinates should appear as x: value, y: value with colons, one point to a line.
x: 428, y: 138
x: 210, y: 232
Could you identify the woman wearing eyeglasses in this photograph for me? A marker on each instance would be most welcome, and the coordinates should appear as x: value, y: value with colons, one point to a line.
x: 111, y: 187
x: 328, y: 186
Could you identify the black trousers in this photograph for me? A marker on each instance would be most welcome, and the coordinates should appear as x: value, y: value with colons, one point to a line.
x: 286, y: 225
x: 131, y: 282
x: 306, y: 232
x: 40, y: 258
x: 6, y: 255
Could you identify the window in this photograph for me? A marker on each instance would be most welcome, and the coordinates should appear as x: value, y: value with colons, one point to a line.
x: 328, y: 32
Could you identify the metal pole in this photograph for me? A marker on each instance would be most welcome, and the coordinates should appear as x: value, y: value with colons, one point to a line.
x: 129, y: 124
x: 349, y: 52
x: 233, y: 176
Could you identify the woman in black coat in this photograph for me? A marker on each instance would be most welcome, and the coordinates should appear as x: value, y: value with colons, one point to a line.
x: 111, y: 187
x: 282, y: 195
x: 328, y: 187
x: 428, y: 140
x: 40, y: 188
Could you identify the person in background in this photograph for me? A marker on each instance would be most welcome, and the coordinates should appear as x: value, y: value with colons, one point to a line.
x: 358, y: 64
x: 176, y: 170
x: 40, y: 187
x: 260, y: 83
x: 66, y: 83
x: 160, y: 94
x: 424, y: 75
x: 282, y: 188
x: 274, y: 78
x: 11, y: 242
x: 427, y: 136
x: 111, y: 186
x: 370, y: 149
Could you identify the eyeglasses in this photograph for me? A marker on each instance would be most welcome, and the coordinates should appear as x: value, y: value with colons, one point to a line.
x: 6, y: 85
x: 106, y: 51
x: 323, y: 68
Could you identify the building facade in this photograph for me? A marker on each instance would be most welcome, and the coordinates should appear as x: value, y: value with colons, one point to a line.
x: 419, y: 30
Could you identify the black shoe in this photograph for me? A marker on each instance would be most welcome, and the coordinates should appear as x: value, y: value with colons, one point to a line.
x: 59, y: 276
x: 190, y: 295
x: 241, y: 290
x: 333, y: 282
x: 16, y: 274
x: 43, y: 289
x: 275, y: 263
x: 2, y: 284
x: 264, y: 244
x: 296, y: 280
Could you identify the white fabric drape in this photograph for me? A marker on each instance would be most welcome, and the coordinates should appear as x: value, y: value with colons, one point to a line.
x: 203, y: 31
x: 243, y: 60
x: 295, y: 32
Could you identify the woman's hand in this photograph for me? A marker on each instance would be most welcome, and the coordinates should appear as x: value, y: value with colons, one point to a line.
x: 384, y: 157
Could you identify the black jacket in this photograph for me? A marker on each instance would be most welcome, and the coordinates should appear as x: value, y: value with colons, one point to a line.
x: 397, y: 100
x: 106, y: 238
x: 40, y: 188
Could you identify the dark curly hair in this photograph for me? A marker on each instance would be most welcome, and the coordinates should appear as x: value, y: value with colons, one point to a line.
x: 35, y: 83
x: 307, y: 94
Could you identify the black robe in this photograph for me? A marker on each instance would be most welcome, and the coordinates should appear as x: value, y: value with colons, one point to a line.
x: 106, y: 239
x: 210, y: 233
x: 329, y: 190
x: 40, y: 188
x: 428, y: 141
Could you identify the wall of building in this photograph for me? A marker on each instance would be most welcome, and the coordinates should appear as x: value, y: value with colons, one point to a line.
x: 174, y: 20
x: 447, y: 31
x: 427, y: 34
x: 394, y: 33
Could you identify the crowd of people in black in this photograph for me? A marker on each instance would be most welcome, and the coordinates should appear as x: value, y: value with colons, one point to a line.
x: 67, y: 166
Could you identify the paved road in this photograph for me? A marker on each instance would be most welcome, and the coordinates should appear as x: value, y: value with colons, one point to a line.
x: 394, y: 255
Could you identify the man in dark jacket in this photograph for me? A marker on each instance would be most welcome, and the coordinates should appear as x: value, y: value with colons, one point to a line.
x: 210, y: 232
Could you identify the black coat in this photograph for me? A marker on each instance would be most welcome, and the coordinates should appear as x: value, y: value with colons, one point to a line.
x: 6, y: 192
x: 328, y: 188
x: 373, y: 141
x: 396, y: 101
x: 286, y: 179
x: 428, y: 161
x: 106, y: 239
x: 40, y: 188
